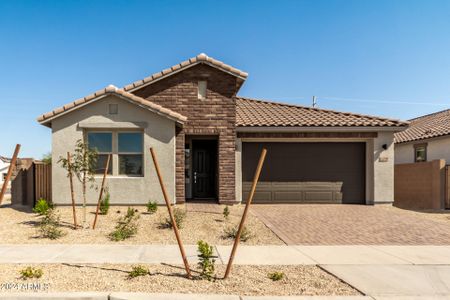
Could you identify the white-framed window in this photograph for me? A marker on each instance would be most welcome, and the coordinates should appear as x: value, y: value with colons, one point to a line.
x: 202, y: 85
x: 125, y: 147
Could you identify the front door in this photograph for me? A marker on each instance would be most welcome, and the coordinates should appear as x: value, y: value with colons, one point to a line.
x: 204, y: 162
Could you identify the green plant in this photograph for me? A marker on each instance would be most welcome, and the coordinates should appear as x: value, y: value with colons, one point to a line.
x: 42, y: 206
x: 126, y: 226
x: 47, y: 158
x: 104, y: 203
x: 137, y: 271
x: 179, y: 215
x: 231, y: 233
x: 226, y: 212
x: 206, y: 260
x: 30, y: 272
x: 83, y: 166
x: 152, y: 207
x: 49, y: 225
x: 276, y: 276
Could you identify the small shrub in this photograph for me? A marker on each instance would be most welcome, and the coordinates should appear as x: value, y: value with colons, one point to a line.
x: 104, y: 203
x: 179, y: 215
x: 276, y: 276
x: 30, y: 272
x: 226, y: 212
x: 49, y: 225
x: 137, y: 271
x: 206, y: 260
x: 152, y: 207
x: 126, y: 226
x: 231, y: 232
x: 42, y: 207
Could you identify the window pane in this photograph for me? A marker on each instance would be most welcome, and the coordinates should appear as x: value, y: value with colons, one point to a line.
x: 101, y: 164
x: 130, y: 142
x: 420, y: 154
x: 130, y: 164
x: 102, y: 141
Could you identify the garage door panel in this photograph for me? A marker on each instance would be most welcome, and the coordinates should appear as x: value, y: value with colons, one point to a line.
x: 307, y: 172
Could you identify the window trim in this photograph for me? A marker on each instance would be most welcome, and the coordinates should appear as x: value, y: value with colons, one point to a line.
x: 115, y: 151
x: 423, y: 146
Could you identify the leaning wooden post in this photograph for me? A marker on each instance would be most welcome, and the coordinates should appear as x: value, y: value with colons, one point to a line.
x: 72, y: 195
x: 10, y: 170
x: 172, y: 219
x: 244, y: 216
x: 101, y: 191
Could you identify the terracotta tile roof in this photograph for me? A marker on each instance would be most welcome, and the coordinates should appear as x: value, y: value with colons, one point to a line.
x: 259, y: 113
x: 112, y: 90
x: 199, y: 59
x: 428, y: 126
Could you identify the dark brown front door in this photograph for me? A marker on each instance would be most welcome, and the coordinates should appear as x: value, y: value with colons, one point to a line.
x: 204, y: 168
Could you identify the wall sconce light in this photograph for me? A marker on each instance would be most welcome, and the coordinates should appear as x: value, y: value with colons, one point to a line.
x: 384, y: 146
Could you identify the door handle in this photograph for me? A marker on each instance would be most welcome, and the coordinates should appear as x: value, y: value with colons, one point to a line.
x: 195, y: 177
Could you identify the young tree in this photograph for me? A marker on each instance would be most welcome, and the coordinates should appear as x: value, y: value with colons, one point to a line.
x: 83, y: 166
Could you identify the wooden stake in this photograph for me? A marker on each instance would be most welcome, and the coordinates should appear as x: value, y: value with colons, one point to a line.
x: 244, y: 216
x: 72, y: 194
x: 169, y: 208
x: 10, y: 170
x: 101, y: 191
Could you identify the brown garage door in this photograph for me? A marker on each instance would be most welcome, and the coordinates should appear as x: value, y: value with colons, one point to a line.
x: 306, y: 172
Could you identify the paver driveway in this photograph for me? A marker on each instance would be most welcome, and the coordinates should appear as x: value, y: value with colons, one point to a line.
x: 321, y: 224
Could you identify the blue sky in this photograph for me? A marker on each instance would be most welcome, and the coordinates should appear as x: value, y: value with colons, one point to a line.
x: 389, y: 58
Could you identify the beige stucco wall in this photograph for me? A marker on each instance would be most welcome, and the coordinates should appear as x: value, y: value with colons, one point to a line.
x: 438, y: 148
x: 159, y: 133
x: 238, y: 167
x: 383, y: 169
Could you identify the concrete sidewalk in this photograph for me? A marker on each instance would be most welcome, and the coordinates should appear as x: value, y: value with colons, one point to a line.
x: 246, y: 255
x: 380, y: 272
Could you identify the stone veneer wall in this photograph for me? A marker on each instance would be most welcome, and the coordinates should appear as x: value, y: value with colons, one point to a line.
x: 215, y: 115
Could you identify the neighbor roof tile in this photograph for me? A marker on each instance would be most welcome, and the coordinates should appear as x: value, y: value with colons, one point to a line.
x: 428, y: 126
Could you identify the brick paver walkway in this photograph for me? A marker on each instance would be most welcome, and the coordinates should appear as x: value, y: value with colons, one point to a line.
x: 350, y: 225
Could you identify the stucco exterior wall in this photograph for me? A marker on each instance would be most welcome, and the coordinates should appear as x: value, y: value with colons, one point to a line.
x: 238, y: 170
x: 383, y: 168
x: 159, y: 133
x: 438, y: 148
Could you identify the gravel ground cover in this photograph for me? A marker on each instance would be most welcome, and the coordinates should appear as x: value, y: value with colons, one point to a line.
x: 20, y: 227
x: 442, y: 216
x: 244, y: 280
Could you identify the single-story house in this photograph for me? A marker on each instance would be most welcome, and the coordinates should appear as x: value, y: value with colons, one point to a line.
x: 426, y: 139
x: 208, y: 141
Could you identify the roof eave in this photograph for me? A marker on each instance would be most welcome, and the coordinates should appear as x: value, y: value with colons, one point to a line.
x: 46, y: 121
x: 132, y: 87
x: 319, y: 128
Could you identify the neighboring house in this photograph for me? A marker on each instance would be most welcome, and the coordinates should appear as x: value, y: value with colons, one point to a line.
x: 4, y: 166
x: 426, y: 139
x: 208, y: 141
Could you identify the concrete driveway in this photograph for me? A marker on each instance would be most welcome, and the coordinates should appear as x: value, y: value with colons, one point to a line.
x: 322, y: 224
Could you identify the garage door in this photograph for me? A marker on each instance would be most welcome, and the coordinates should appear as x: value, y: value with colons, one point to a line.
x: 306, y: 172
